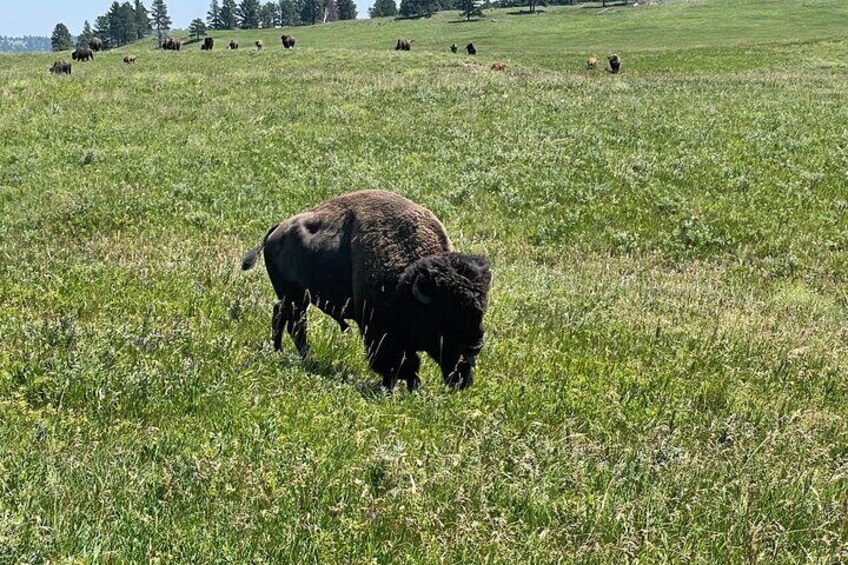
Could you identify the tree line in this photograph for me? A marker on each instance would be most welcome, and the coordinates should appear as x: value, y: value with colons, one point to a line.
x: 251, y: 14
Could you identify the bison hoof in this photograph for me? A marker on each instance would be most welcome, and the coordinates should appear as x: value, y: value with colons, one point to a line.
x: 459, y: 380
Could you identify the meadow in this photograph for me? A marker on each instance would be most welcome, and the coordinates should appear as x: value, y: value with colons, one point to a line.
x: 665, y: 374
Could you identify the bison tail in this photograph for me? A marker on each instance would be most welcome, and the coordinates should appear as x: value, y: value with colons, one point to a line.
x: 249, y: 259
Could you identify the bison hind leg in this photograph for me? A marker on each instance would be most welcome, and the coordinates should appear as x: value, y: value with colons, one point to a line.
x: 292, y: 317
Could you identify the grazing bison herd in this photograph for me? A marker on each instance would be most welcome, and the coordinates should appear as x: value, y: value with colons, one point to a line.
x: 86, y: 52
x: 387, y: 264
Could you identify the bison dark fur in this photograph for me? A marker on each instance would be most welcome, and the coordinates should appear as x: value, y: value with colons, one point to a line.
x: 453, y: 47
x: 614, y: 63
x: 96, y: 44
x: 82, y: 54
x: 61, y: 67
x: 386, y: 263
x: 233, y: 44
x: 470, y: 49
x: 208, y: 44
x: 288, y: 41
x: 403, y: 45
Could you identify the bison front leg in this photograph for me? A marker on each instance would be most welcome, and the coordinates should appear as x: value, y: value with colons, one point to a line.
x: 457, y: 370
x: 278, y: 322
x: 392, y: 363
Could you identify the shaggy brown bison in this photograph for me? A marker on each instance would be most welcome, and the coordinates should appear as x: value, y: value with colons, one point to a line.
x: 386, y: 263
x: 288, y: 41
x: 82, y: 54
x: 259, y: 45
x: 453, y: 47
x: 403, y: 45
x: 614, y: 63
x: 233, y: 44
x: 129, y: 59
x: 96, y: 44
x: 592, y: 63
x: 61, y: 67
x: 470, y: 49
x: 498, y: 66
x: 208, y: 44
x: 172, y: 44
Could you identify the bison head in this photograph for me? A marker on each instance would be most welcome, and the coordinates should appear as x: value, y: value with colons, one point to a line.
x: 448, y: 296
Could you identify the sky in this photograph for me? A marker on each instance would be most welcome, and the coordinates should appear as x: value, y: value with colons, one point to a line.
x: 39, y: 17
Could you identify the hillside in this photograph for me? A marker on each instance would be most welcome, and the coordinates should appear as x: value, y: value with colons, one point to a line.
x: 664, y: 376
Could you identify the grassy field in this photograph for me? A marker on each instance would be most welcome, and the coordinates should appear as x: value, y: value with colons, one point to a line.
x: 665, y: 376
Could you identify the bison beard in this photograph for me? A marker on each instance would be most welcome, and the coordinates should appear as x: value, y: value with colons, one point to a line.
x: 386, y: 263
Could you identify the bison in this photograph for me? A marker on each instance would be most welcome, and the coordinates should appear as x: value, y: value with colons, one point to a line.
x: 592, y: 63
x: 470, y: 49
x: 233, y: 44
x: 453, y: 47
x: 498, y: 66
x: 259, y: 45
x: 288, y: 41
x: 386, y: 263
x: 403, y: 45
x: 172, y: 44
x: 96, y: 44
x: 208, y: 43
x: 614, y: 63
x: 82, y: 54
x: 61, y: 67
x: 129, y: 59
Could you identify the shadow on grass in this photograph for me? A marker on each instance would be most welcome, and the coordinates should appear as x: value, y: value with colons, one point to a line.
x: 369, y: 390
x: 465, y: 21
x: 525, y: 13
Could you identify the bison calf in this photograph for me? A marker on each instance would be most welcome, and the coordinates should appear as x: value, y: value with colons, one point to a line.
x: 453, y: 48
x: 498, y: 66
x: 386, y: 263
x: 61, y: 67
x: 259, y: 45
x: 129, y: 59
x: 592, y: 63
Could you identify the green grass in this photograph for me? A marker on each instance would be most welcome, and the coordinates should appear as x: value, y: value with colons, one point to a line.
x: 665, y: 374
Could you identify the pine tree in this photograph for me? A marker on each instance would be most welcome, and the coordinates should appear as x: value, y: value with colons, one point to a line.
x: 268, y: 15
x: 383, y: 9
x: 248, y: 14
x: 289, y: 15
x: 86, y: 35
x: 197, y: 28
x: 101, y: 29
x: 213, y: 16
x: 142, y: 20
x: 159, y: 15
x: 228, y: 14
x: 309, y: 12
x: 470, y: 8
x: 347, y: 9
x: 61, y: 38
x: 331, y: 11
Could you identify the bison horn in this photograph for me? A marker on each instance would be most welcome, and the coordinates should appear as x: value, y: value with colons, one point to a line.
x: 419, y: 296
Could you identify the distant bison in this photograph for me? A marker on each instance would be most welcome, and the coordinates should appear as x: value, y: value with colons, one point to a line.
x: 403, y: 45
x: 498, y: 66
x: 288, y: 41
x: 61, y: 67
x: 453, y: 48
x: 386, y: 263
x: 172, y: 44
x: 82, y: 54
x: 208, y: 43
x: 470, y: 49
x: 259, y: 45
x: 129, y: 59
x: 233, y: 44
x: 96, y: 44
x: 592, y: 63
x: 614, y: 63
